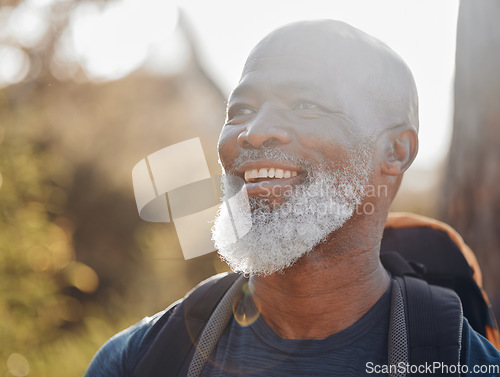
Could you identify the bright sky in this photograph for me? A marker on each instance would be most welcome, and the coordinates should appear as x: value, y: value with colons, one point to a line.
x: 114, y: 40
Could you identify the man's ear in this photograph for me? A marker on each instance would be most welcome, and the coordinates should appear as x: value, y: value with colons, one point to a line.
x: 400, y: 149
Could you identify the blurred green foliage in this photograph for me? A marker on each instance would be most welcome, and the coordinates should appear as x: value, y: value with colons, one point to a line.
x: 40, y: 320
x: 77, y: 264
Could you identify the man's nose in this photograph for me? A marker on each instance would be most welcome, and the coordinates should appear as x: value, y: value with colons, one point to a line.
x: 265, y: 130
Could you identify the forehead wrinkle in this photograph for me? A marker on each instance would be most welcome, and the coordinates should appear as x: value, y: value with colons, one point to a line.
x: 266, y: 74
x: 298, y: 89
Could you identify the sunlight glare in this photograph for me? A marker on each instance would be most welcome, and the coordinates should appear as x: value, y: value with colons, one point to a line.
x: 28, y: 24
x: 115, y: 41
x: 15, y: 65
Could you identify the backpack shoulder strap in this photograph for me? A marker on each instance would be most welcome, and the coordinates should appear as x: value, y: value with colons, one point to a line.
x: 215, y: 326
x: 434, y: 321
x: 173, y: 347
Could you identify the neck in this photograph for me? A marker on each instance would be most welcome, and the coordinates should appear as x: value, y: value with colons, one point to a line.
x: 326, y: 291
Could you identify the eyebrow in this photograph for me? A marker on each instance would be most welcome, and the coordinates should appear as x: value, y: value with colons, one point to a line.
x: 285, y: 87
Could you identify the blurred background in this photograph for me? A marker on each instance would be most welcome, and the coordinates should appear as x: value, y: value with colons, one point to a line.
x: 88, y: 88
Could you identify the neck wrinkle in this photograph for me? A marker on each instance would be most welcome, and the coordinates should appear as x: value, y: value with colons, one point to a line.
x: 298, y: 304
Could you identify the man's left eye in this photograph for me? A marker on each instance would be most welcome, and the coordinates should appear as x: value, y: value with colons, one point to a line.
x: 304, y: 105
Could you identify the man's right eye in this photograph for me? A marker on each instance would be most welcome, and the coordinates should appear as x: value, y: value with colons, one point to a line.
x: 238, y: 111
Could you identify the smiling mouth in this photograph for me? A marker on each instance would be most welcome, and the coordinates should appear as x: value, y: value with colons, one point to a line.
x: 261, y: 174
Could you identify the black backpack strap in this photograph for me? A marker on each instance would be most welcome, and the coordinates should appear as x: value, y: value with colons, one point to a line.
x: 434, y: 325
x: 173, y: 348
x: 398, y: 332
x: 215, y: 327
x: 398, y: 265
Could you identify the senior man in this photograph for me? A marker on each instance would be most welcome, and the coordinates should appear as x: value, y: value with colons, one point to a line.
x: 322, y: 117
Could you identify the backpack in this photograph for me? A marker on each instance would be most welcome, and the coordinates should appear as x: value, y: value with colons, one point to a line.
x: 435, y: 275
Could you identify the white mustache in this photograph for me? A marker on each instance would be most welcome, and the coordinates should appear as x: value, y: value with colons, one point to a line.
x: 274, y: 154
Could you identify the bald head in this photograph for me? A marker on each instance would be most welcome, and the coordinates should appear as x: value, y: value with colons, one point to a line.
x: 352, y: 63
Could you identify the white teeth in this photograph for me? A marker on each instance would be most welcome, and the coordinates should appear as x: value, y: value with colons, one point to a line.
x: 262, y: 173
x: 268, y: 173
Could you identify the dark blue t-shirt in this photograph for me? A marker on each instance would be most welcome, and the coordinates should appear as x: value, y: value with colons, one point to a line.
x: 256, y: 350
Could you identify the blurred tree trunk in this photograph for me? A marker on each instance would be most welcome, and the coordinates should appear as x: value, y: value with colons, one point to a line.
x: 470, y: 200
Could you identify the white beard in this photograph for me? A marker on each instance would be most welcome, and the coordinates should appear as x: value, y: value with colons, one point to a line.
x: 281, y: 235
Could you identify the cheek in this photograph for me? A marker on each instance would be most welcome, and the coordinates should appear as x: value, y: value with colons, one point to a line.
x: 326, y: 136
x: 324, y: 150
x: 227, y: 147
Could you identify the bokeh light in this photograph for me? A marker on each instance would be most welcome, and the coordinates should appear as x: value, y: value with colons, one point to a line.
x: 248, y: 288
x: 15, y: 65
x: 28, y: 24
x: 244, y: 318
x: 18, y: 365
x: 83, y: 277
x: 114, y: 41
x: 245, y: 315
